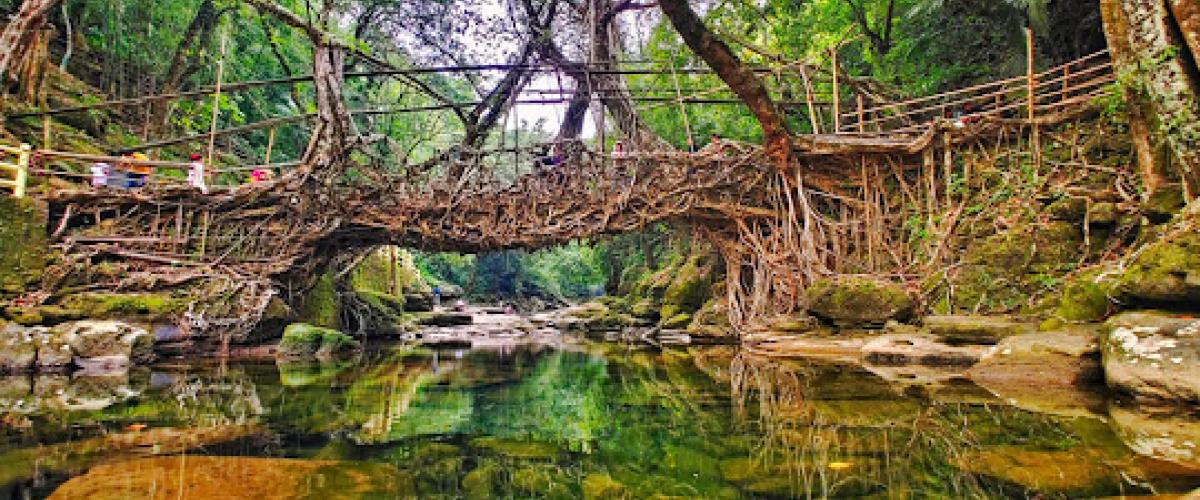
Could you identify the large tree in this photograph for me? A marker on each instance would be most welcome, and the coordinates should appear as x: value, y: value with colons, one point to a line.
x: 1155, y: 44
x: 23, y: 45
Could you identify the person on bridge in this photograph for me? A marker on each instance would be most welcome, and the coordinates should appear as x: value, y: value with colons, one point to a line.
x: 100, y: 171
x: 260, y: 175
x: 196, y: 174
x: 136, y: 172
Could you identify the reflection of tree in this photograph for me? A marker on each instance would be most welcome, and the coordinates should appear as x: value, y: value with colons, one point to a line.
x: 560, y: 401
x: 826, y: 436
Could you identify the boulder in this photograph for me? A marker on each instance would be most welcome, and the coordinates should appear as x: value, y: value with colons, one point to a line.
x: 418, y: 302
x: 451, y: 291
x: 1166, y: 273
x: 17, y: 349
x: 973, y: 330
x: 1069, y: 209
x: 1103, y: 214
x: 301, y: 340
x: 918, y: 349
x: 859, y: 302
x: 54, y: 349
x: 107, y: 341
x: 1153, y: 356
x: 1163, y: 203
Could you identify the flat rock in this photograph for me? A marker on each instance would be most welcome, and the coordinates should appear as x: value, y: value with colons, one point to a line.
x: 447, y: 319
x: 918, y: 349
x: 1154, y: 356
x: 975, y: 330
x: 1048, y: 372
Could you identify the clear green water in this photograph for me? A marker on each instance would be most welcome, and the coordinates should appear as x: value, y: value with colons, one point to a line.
x: 595, y: 421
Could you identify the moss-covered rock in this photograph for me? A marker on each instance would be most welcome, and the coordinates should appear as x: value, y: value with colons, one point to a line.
x: 150, y: 306
x: 677, y: 322
x: 858, y: 302
x: 1007, y: 271
x: 602, y: 486
x: 320, y: 306
x: 1069, y: 209
x: 1103, y: 214
x: 516, y: 448
x: 23, y: 244
x: 480, y: 483
x: 301, y: 340
x: 646, y: 309
x: 1167, y: 271
x: 689, y: 289
x: 1163, y: 203
x: 17, y: 349
x: 1087, y: 297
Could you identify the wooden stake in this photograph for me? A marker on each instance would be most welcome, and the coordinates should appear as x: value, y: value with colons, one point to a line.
x: 211, y: 171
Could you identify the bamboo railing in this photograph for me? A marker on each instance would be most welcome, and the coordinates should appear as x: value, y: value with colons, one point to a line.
x: 1023, y: 97
x: 18, y: 168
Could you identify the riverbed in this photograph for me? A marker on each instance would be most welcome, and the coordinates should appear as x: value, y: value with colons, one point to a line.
x: 564, y: 417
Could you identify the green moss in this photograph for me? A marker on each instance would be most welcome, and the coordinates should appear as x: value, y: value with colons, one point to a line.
x: 23, y: 244
x: 480, y: 482
x: 149, y: 306
x: 301, y: 340
x: 1086, y: 298
x: 851, y: 301
x: 321, y: 304
x: 689, y: 287
x: 678, y: 321
x: 1164, y: 203
x: 602, y: 486
x: 515, y: 448
x: 375, y: 274
x: 1166, y: 272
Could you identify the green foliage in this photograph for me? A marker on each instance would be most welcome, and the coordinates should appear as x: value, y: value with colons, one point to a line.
x: 569, y: 271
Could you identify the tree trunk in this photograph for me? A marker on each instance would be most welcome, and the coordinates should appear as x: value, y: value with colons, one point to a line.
x: 740, y: 79
x: 1150, y: 46
x: 1187, y: 18
x: 22, y: 45
x: 183, y: 64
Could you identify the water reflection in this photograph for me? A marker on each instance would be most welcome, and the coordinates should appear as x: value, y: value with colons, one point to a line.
x: 592, y: 421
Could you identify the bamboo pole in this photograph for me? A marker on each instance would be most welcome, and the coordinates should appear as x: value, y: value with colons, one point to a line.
x: 861, y: 125
x: 211, y: 171
x: 270, y: 145
x: 948, y: 165
x: 22, y: 178
x: 1031, y: 84
x: 837, y: 96
x: 47, y: 132
x: 687, y: 123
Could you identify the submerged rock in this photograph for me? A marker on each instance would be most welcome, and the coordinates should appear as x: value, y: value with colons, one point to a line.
x: 1048, y: 372
x: 858, y: 302
x: 1174, y: 438
x: 1154, y: 356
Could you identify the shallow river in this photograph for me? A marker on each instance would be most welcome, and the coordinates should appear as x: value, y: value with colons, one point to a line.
x: 582, y: 420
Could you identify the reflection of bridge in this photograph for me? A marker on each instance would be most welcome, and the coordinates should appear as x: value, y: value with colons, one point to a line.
x: 168, y: 232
